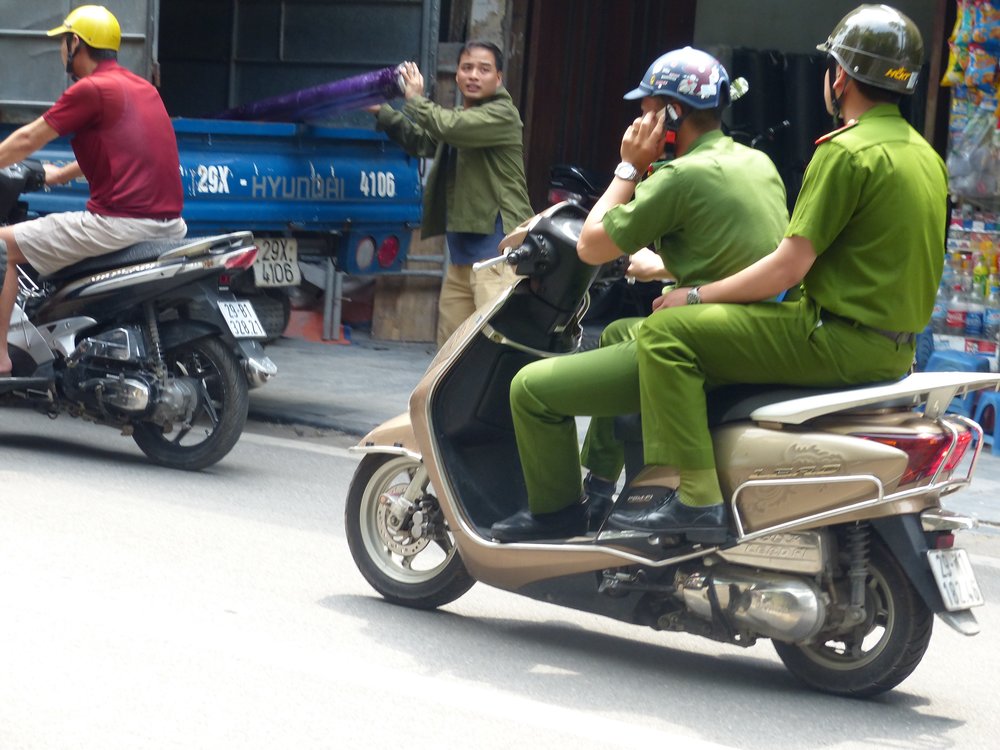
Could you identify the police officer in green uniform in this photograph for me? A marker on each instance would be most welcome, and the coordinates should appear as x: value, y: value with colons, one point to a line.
x: 713, y: 210
x: 867, y: 239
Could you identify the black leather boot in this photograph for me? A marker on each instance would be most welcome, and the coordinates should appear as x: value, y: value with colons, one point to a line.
x: 671, y: 516
x: 600, y: 497
x: 525, y: 526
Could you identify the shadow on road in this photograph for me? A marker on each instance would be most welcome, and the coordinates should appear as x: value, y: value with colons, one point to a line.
x: 736, y: 694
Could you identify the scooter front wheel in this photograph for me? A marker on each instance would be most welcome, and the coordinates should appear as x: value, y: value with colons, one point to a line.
x: 878, y: 653
x: 398, y: 536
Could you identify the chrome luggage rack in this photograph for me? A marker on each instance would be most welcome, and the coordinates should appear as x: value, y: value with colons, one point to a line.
x: 936, y: 485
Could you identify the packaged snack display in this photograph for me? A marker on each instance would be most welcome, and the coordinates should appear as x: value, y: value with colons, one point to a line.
x: 974, y: 129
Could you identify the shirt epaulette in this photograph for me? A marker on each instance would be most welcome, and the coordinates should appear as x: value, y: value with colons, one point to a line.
x: 834, y: 133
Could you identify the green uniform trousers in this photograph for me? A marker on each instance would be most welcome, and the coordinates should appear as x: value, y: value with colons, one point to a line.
x: 684, y: 350
x: 602, y: 452
x: 547, y: 395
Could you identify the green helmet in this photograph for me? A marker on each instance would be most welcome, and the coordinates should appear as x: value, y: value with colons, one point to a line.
x: 879, y: 46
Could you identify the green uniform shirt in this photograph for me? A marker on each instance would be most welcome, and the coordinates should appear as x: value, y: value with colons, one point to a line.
x: 709, y: 213
x: 874, y: 204
x: 478, y: 169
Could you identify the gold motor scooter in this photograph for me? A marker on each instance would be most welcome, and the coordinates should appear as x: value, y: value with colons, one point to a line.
x: 839, y: 549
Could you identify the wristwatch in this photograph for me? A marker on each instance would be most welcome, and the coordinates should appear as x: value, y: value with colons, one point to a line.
x: 626, y: 171
x: 694, y: 295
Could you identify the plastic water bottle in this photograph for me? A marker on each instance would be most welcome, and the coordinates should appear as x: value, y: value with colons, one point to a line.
x: 939, y: 318
x: 991, y: 319
x: 948, y: 276
x: 955, y: 313
x: 975, y: 312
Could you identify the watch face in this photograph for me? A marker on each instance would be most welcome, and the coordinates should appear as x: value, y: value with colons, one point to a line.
x: 626, y: 171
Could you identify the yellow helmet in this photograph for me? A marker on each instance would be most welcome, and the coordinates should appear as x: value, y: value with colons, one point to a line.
x: 94, y: 24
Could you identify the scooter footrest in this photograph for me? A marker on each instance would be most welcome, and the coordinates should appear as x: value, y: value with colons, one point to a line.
x: 10, y: 384
x: 708, y: 536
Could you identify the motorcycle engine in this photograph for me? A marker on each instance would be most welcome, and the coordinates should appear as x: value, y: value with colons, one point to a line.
x: 109, y: 374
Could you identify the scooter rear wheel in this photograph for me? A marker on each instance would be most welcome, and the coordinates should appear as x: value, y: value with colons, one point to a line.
x: 221, y: 414
x: 403, y: 564
x: 878, y: 654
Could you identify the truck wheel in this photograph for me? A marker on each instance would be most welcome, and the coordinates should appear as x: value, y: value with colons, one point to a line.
x: 220, y: 416
x: 274, y: 311
x: 409, y: 559
x: 879, y: 653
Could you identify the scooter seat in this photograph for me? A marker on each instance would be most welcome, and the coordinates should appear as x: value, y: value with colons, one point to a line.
x: 141, y: 252
x: 733, y: 403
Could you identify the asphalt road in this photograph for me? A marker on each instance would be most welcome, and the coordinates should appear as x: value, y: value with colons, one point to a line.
x: 148, y: 608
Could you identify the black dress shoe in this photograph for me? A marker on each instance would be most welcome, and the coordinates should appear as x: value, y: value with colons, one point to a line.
x: 600, y: 497
x: 671, y: 516
x: 525, y: 526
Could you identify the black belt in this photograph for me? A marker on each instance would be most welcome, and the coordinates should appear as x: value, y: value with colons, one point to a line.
x: 899, y: 337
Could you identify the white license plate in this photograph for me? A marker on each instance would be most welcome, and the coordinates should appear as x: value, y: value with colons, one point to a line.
x: 242, y: 319
x: 955, y: 578
x: 277, y: 262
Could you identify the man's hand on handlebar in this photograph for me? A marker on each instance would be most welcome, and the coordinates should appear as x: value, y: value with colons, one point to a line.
x: 645, y: 265
x: 61, y: 175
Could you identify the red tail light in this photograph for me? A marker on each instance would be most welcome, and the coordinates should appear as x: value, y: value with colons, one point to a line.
x: 558, y: 195
x: 242, y: 260
x: 925, y: 452
x: 944, y: 541
x: 388, y: 251
x: 964, y: 441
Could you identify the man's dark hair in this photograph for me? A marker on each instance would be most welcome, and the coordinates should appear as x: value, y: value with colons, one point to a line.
x: 497, y: 54
x: 706, y: 118
x: 876, y: 94
x: 99, y: 55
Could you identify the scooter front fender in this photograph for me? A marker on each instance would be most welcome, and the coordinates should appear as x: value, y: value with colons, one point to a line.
x: 393, y: 436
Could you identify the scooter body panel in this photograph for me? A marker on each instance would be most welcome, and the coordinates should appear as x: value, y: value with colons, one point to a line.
x: 23, y: 335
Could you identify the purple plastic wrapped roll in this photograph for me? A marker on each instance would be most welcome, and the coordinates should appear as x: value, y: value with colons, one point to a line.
x: 323, y: 101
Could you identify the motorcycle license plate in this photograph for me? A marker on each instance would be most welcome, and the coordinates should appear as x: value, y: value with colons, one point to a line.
x: 277, y: 262
x: 955, y: 578
x: 241, y: 319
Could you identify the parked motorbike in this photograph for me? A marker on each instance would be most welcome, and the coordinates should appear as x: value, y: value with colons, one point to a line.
x: 838, y: 547
x: 146, y: 339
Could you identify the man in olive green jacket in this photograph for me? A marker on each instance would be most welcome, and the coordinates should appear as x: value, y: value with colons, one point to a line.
x: 476, y: 190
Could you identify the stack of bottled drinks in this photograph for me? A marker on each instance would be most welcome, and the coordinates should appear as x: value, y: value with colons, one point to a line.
x: 968, y: 299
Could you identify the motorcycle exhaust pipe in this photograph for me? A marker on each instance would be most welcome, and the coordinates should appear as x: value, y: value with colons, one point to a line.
x: 772, y: 605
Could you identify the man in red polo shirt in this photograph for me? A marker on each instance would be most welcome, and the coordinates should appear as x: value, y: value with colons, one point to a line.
x: 125, y: 147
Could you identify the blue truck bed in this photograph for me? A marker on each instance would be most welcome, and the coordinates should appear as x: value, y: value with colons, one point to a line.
x: 329, y: 188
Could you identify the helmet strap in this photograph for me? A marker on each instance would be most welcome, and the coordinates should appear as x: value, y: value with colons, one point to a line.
x: 70, y: 54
